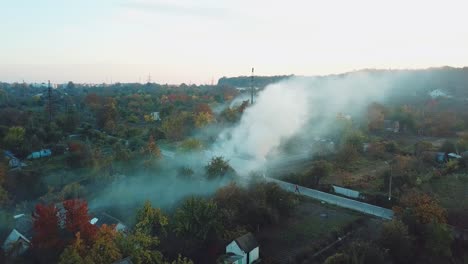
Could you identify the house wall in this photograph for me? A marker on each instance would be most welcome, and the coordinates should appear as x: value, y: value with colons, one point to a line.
x: 234, y: 248
x: 253, y: 255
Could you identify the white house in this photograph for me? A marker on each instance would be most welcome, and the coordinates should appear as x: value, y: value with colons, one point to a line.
x: 155, y: 116
x: 245, y: 246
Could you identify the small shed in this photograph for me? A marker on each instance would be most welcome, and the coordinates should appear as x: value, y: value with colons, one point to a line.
x: 40, y: 154
x: 346, y: 192
x: 155, y: 116
x: 245, y: 246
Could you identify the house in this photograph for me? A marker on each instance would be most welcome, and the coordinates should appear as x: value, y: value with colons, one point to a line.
x: 156, y: 116
x: 40, y: 154
x: 102, y: 218
x: 391, y: 125
x: 19, y: 239
x: 245, y: 246
x: 13, y: 161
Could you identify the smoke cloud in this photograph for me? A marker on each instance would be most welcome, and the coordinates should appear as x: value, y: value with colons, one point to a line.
x: 305, y: 106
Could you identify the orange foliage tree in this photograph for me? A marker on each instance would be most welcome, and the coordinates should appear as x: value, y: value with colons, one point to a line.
x: 425, y: 208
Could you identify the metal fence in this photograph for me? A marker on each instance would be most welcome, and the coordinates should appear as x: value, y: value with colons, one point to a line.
x: 338, y: 200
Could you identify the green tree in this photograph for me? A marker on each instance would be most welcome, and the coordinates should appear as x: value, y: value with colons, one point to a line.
x: 217, y: 167
x: 191, y: 144
x: 198, y: 219
x: 141, y: 247
x: 437, y: 240
x: 338, y: 258
x: 181, y: 260
x: 151, y: 220
x: 320, y: 169
x: 395, y: 238
x: 14, y: 137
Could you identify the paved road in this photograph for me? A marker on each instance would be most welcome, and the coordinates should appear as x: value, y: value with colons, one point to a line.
x: 338, y: 200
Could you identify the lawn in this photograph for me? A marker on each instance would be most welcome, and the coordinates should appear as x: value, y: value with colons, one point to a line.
x: 311, y: 224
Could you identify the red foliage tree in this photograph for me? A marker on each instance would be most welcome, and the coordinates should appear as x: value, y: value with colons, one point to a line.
x: 46, y: 227
x: 77, y: 219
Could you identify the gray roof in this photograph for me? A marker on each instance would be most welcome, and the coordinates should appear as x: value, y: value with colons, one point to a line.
x: 229, y: 258
x: 126, y: 260
x: 247, y: 242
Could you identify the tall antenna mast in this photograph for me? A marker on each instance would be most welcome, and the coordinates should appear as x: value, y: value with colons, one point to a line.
x: 252, y: 86
x: 49, y: 93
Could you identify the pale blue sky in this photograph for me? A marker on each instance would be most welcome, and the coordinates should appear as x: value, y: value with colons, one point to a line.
x: 195, y: 41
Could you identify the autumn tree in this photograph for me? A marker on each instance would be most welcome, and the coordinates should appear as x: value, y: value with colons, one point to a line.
x: 152, y: 148
x: 46, y: 227
x: 203, y: 119
x: 77, y: 219
x: 74, y: 252
x: 375, y: 116
x: 423, y: 207
x: 104, y: 249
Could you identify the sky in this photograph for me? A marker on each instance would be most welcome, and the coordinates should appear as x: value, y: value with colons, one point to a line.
x: 199, y: 41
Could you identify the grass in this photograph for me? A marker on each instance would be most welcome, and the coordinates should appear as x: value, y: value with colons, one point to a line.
x: 451, y: 190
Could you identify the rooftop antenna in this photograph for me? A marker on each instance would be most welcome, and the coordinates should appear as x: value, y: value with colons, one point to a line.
x: 252, y: 86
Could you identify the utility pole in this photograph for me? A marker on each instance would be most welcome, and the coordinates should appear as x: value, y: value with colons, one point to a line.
x: 252, y: 87
x: 390, y: 182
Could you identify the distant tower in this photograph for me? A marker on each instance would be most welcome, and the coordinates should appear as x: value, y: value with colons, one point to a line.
x: 252, y: 86
x: 49, y: 95
x: 149, y: 77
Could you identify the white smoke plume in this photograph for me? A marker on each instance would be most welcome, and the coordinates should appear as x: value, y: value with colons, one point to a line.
x: 296, y: 105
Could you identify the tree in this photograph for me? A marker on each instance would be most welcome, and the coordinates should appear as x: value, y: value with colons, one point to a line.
x: 141, y: 247
x: 376, y: 116
x: 74, y: 252
x: 437, y: 240
x: 203, y: 119
x: 217, y: 167
x: 181, y: 260
x: 395, y: 238
x: 191, y: 144
x: 46, y: 227
x: 424, y: 208
x: 152, y: 148
x: 104, y: 249
x: 151, y: 220
x: 176, y: 126
x: 320, y: 169
x: 77, y: 219
x: 338, y: 258
x: 14, y: 137
x: 70, y: 85
x: 198, y: 219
